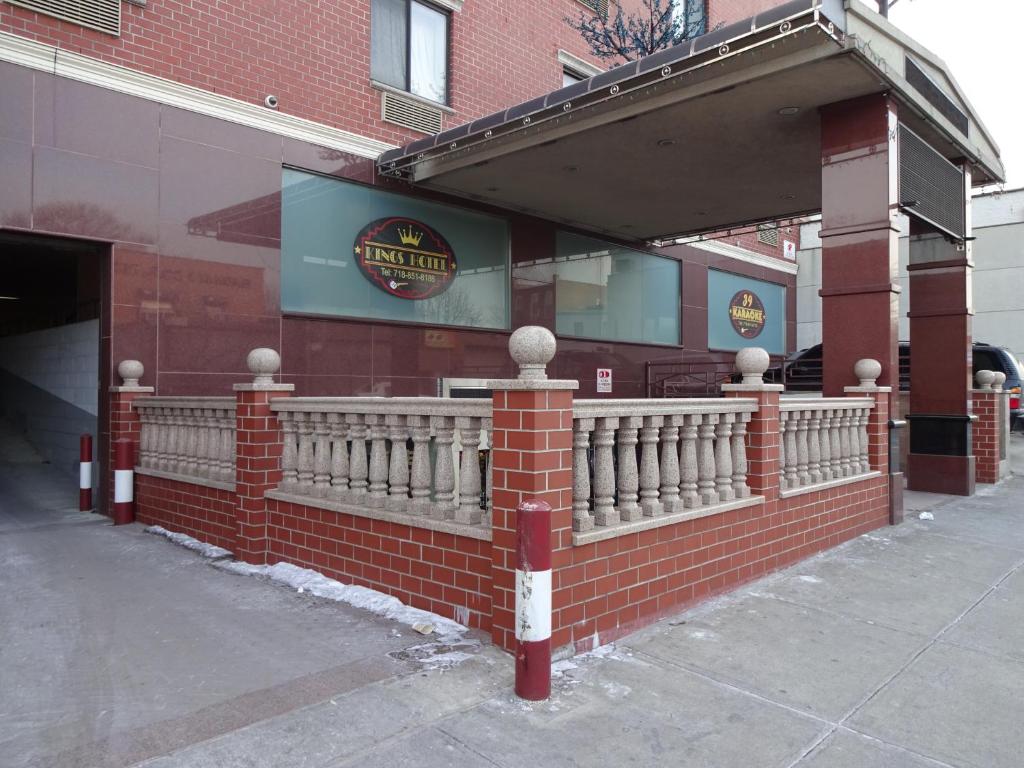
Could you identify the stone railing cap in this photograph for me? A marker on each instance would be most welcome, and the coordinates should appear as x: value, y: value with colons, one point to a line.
x: 532, y: 347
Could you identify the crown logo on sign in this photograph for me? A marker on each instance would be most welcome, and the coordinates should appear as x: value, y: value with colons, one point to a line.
x: 409, y: 237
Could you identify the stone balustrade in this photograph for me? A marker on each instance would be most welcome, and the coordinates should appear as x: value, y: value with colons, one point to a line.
x: 636, y: 459
x: 191, y: 438
x: 823, y: 440
x: 414, y: 455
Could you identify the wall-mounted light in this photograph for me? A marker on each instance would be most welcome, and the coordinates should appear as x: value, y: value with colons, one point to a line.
x: 789, y: 111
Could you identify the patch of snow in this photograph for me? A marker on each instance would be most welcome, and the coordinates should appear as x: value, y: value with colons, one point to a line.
x: 811, y: 579
x: 183, y: 540
x: 318, y: 585
x: 702, y: 634
x: 616, y: 690
x: 926, y: 516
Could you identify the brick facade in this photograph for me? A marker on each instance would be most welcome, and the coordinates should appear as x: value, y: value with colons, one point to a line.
x: 315, y: 56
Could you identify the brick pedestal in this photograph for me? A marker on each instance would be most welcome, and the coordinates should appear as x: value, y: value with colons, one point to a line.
x: 124, y: 422
x: 986, y: 436
x: 258, y: 446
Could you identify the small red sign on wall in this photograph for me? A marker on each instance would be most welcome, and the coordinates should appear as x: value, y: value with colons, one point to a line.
x: 604, y: 379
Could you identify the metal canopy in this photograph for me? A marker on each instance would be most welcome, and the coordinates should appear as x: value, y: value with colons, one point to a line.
x: 719, y: 131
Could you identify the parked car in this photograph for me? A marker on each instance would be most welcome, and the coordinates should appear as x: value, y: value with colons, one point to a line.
x: 801, y: 372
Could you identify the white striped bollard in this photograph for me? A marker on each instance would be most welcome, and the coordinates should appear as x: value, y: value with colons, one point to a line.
x: 124, y: 482
x: 85, y: 473
x: 533, y: 601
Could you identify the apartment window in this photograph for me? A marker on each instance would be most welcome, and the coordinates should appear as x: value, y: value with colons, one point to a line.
x: 570, y: 76
x: 409, y: 47
x: 598, y: 6
x: 695, y: 16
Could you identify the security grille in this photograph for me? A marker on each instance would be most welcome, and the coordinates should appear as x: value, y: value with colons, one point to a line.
x: 410, y: 113
x: 103, y: 15
x: 924, y: 85
x: 931, y: 187
x: 768, y: 234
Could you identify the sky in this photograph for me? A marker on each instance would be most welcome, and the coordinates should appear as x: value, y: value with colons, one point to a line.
x: 980, y: 42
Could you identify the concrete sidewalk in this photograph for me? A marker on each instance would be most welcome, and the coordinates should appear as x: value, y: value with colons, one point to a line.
x: 901, y: 649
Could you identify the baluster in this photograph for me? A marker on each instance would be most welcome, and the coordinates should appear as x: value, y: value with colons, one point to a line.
x: 203, y: 443
x: 855, y: 468
x: 398, y: 465
x: 801, y: 447
x: 723, y: 457
x: 783, y: 421
x: 162, y: 436
x: 836, y: 445
x: 378, y: 460
x: 628, y: 478
x: 844, y: 443
x: 865, y: 450
x: 188, y: 464
x: 339, y: 456
x: 649, y: 470
x: 688, y: 461
x: 670, y: 465
x: 145, y: 436
x: 488, y: 428
x: 792, y: 477
x: 420, y: 478
x: 321, y: 455
x: 177, y: 441
x: 289, y: 452
x: 814, y: 446
x: 226, y: 440
x: 305, y: 475
x: 582, y: 520
x: 358, y: 467
x: 826, y: 446
x: 604, y: 472
x: 469, y: 470
x: 444, y: 467
x: 739, y: 457
x: 706, y: 459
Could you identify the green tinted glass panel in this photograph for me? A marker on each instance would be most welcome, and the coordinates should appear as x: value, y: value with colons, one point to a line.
x: 320, y: 219
x: 723, y: 287
x: 605, y: 291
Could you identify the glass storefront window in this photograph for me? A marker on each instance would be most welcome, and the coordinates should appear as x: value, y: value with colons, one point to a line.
x: 327, y: 223
x: 608, y: 292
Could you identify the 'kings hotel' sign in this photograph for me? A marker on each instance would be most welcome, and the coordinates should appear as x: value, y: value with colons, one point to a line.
x: 405, y: 258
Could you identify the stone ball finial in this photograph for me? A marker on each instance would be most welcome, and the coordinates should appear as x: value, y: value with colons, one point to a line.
x: 999, y: 381
x: 130, y: 372
x: 752, y: 362
x: 868, y: 371
x: 984, y: 379
x: 264, y: 363
x: 532, y: 347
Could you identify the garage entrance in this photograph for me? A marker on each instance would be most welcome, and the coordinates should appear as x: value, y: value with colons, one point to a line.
x: 50, y: 300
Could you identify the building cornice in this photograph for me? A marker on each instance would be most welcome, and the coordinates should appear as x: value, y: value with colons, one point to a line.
x: 582, y: 66
x: 742, y: 254
x: 57, y: 61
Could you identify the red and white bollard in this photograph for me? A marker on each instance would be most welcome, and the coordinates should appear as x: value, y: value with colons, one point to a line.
x: 85, y: 473
x: 533, y: 601
x: 124, y: 482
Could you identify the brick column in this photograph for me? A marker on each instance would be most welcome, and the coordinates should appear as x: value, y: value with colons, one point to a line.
x: 124, y: 421
x: 763, y: 431
x: 532, y: 459
x: 258, y: 446
x: 868, y: 371
x: 986, y: 435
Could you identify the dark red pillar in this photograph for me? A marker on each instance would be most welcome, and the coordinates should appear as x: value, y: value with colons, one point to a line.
x: 941, y: 458
x: 860, y: 240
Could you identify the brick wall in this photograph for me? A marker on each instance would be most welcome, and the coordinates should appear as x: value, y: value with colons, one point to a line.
x: 613, y: 587
x: 433, y: 570
x: 207, y: 514
x: 315, y: 55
